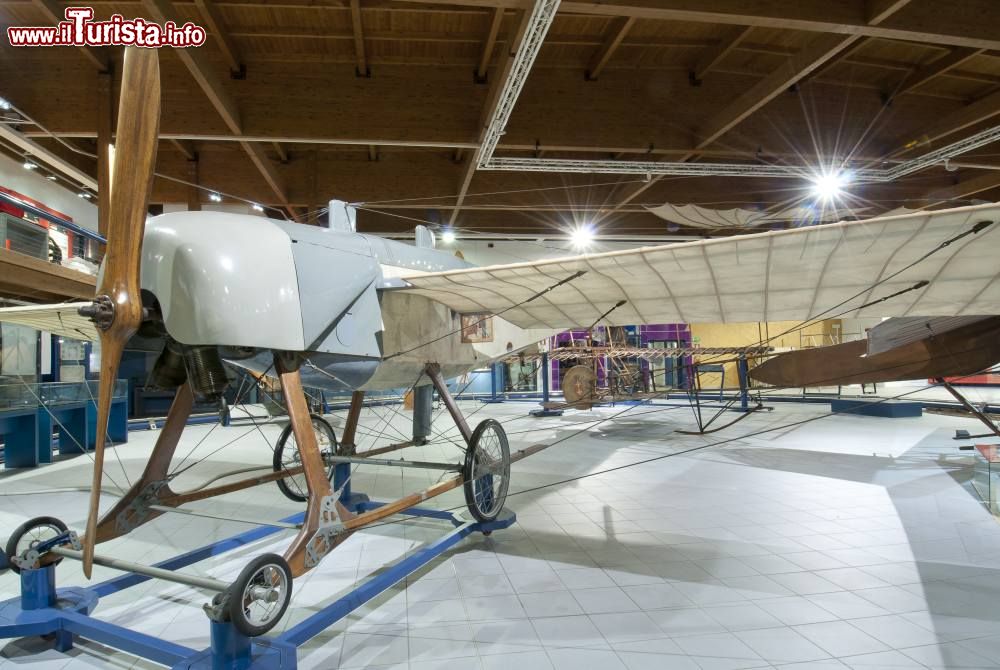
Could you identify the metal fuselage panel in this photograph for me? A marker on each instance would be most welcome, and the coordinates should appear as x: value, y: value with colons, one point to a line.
x: 247, y: 281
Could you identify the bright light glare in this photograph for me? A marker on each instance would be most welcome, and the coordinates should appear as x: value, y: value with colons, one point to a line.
x: 829, y: 185
x: 28, y: 165
x: 448, y: 236
x: 256, y: 207
x: 215, y: 197
x: 582, y: 236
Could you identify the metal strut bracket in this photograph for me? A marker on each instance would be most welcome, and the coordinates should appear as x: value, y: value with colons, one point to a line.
x: 324, y: 539
x: 138, y: 511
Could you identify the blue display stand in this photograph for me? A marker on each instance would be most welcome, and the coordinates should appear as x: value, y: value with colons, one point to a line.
x: 19, y: 428
x: 43, y: 610
x: 117, y: 422
x: 70, y: 420
x: 496, y: 384
x: 892, y: 409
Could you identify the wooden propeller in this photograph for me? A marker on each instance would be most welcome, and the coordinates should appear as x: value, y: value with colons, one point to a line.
x: 117, y: 308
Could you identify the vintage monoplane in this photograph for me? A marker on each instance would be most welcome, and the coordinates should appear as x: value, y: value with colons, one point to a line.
x: 344, y: 310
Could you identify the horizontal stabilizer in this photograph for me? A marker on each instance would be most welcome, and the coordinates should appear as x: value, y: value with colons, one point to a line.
x: 962, y: 351
x: 901, y: 331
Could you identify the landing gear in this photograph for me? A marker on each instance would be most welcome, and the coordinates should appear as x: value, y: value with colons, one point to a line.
x: 29, y: 535
x: 260, y: 595
x: 486, y: 471
x: 287, y: 457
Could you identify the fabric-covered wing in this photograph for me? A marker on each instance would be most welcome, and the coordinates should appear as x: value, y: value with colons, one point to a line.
x: 788, y: 275
x: 61, y: 319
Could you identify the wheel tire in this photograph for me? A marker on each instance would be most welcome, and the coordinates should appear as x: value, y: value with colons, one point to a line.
x: 489, y: 449
x: 241, y: 607
x: 294, y: 487
x: 15, y: 538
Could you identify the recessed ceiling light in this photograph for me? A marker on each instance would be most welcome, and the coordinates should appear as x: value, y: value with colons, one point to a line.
x: 829, y: 185
x: 582, y: 236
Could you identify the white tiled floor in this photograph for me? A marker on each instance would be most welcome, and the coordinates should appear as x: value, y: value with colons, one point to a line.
x: 846, y: 542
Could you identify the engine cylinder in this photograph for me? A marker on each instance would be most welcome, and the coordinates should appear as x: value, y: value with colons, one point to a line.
x: 206, y: 371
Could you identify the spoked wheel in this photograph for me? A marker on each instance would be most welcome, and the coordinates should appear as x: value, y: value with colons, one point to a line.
x: 286, y: 457
x: 260, y: 595
x: 487, y: 470
x: 30, y: 534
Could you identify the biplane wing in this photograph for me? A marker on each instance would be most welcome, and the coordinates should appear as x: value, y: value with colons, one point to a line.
x: 775, y: 276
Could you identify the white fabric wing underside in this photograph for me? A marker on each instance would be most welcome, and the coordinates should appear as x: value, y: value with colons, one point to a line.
x: 61, y: 319
x: 788, y: 275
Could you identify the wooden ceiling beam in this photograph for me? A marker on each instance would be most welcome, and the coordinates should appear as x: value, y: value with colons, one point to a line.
x: 614, y: 36
x: 492, y: 100
x: 489, y: 45
x: 280, y: 150
x: 982, y: 110
x: 270, y: 174
x: 198, y: 66
x: 879, y: 10
x: 936, y: 68
x: 819, y: 51
x: 53, y: 160
x: 361, y: 62
x: 186, y: 147
x: 963, y: 189
x: 213, y: 20
x: 54, y: 12
x: 931, y: 23
x: 730, y: 41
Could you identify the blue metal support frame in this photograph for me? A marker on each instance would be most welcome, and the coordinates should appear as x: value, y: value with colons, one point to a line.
x: 546, y: 371
x: 742, y: 371
x: 496, y: 384
x: 42, y: 609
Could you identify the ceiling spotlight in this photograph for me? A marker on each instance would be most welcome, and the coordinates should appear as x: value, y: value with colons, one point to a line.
x: 215, y: 197
x: 51, y: 177
x: 448, y: 236
x: 84, y: 195
x: 255, y: 207
x: 582, y: 236
x: 4, y: 105
x: 829, y: 185
x: 28, y: 165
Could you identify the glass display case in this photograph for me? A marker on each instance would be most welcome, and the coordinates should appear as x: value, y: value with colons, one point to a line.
x: 15, y: 395
x: 27, y: 395
x: 986, y: 476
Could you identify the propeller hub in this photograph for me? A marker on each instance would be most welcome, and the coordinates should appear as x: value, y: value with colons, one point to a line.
x: 101, y: 312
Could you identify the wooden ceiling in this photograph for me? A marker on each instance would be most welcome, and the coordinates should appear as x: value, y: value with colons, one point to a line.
x: 291, y: 103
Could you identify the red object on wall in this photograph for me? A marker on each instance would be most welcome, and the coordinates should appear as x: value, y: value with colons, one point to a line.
x: 13, y: 210
x: 986, y: 379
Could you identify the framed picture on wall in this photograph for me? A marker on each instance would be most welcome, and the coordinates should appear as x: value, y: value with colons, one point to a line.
x: 477, y: 328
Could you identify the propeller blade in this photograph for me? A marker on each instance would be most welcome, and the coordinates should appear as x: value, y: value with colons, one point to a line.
x: 117, y: 309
